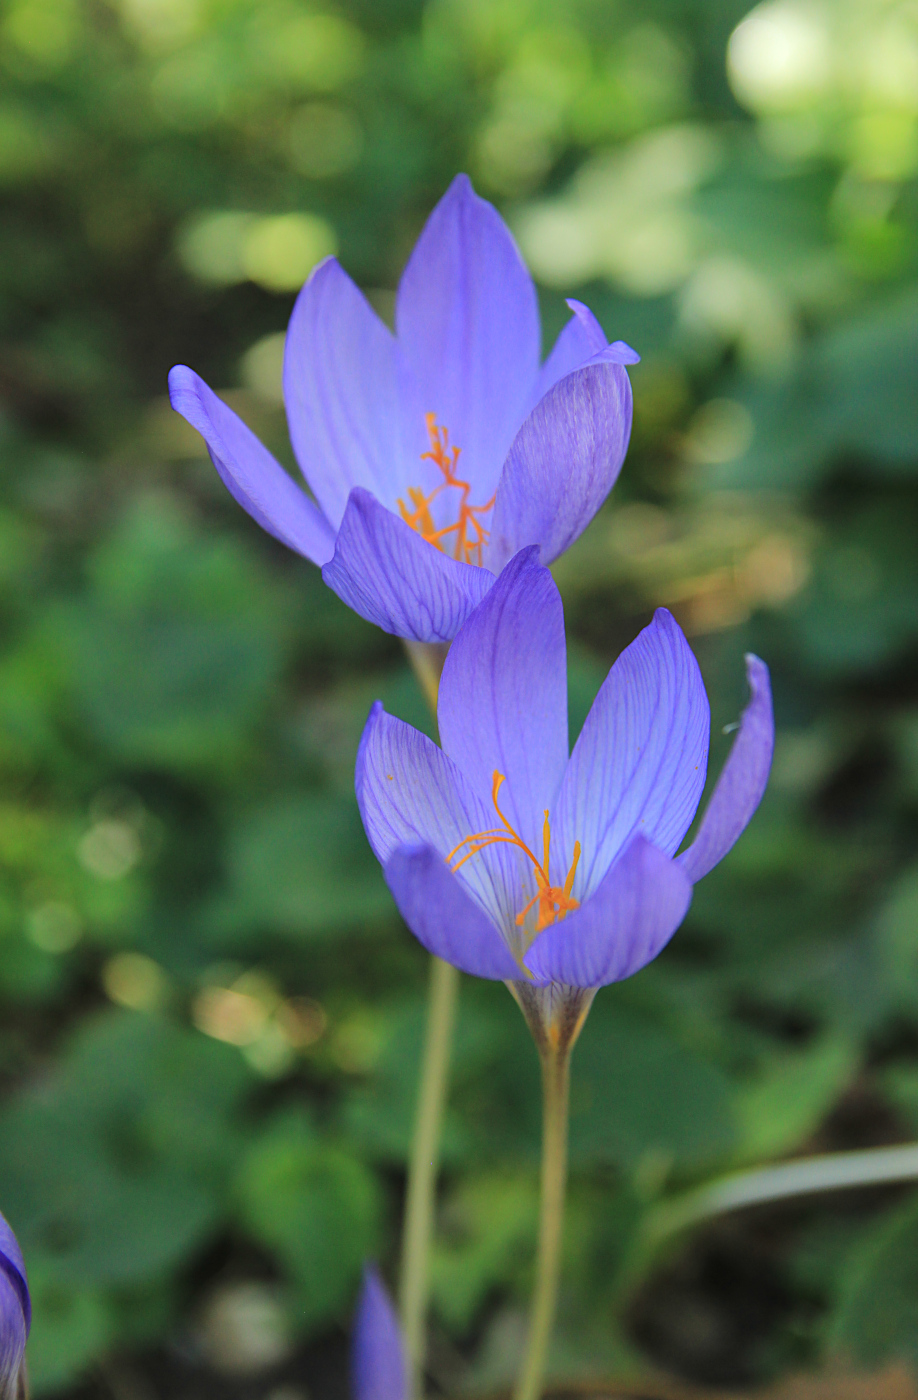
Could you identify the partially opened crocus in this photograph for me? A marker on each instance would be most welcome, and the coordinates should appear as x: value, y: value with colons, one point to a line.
x: 15, y: 1313
x: 514, y: 861
x: 378, y: 1369
x: 436, y: 453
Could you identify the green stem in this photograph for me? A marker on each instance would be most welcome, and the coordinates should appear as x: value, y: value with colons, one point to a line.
x: 422, y: 1171
x: 427, y: 660
x: 414, y: 1277
x: 555, y: 1102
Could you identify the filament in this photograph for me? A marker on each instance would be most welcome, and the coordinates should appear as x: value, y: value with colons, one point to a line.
x: 554, y: 901
x: 471, y: 535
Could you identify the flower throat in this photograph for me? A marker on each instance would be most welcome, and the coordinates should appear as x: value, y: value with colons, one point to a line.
x: 471, y: 535
x: 554, y: 901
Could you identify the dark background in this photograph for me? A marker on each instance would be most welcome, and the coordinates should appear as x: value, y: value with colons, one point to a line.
x: 211, y: 1013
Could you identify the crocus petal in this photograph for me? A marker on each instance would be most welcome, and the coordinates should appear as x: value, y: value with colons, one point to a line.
x: 563, y: 463
x: 742, y: 782
x: 411, y: 794
x: 341, y: 389
x: 390, y: 575
x: 377, y: 1356
x: 581, y: 340
x: 468, y: 323
x: 251, y: 475
x: 443, y: 916
x: 640, y: 761
x: 503, y: 695
x: 633, y: 914
x: 15, y: 1310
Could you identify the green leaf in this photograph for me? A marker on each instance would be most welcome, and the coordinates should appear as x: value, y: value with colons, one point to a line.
x: 792, y: 1097
x: 379, y: 1113
x: 317, y: 1208
x: 897, y: 937
x: 861, y: 605
x: 853, y: 392
x: 876, y: 1317
x: 900, y: 1082
x: 485, y: 1239
x: 174, y: 653
x: 302, y: 865
x: 118, y: 1166
x: 72, y: 1325
x: 170, y: 691
x: 642, y: 1100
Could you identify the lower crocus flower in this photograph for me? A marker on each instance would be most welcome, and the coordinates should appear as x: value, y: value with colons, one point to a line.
x: 15, y: 1313
x: 436, y: 453
x: 378, y: 1369
x: 555, y: 873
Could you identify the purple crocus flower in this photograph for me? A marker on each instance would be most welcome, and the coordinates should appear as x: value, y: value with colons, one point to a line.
x: 556, y: 873
x: 436, y: 453
x: 377, y: 1359
x: 15, y: 1312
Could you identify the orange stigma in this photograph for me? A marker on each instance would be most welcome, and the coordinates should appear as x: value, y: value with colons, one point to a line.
x: 554, y: 901
x: 471, y: 535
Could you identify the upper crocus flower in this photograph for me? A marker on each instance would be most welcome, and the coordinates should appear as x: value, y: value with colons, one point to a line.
x: 512, y: 860
x: 378, y: 1368
x: 436, y: 453
x: 15, y: 1312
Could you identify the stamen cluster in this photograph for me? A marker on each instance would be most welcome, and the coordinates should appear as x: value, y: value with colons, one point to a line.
x: 471, y: 535
x: 554, y: 901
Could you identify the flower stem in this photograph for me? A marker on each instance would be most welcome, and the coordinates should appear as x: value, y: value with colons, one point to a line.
x: 555, y: 1102
x: 427, y: 662
x: 422, y: 1171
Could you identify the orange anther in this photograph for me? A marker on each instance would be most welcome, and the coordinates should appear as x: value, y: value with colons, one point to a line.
x: 555, y: 901
x: 471, y: 535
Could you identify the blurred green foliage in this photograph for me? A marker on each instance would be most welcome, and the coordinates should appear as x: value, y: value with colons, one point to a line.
x: 212, y: 1015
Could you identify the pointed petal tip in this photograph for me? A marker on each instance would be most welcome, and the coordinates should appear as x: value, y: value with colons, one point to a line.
x: 525, y: 572
x: 665, y: 621
x: 563, y: 462
x: 184, y: 390
x: 503, y: 693
x: 327, y: 271
x: 742, y: 782
x: 178, y: 374
x: 377, y: 1358
x: 394, y: 578
x: 524, y: 560
x: 758, y: 678
x: 324, y: 271
x: 467, y: 323
x: 340, y: 389
x: 250, y: 473
x: 619, y: 352
x: 644, y: 746
x: 461, y: 184
x: 374, y: 719
x: 323, y: 268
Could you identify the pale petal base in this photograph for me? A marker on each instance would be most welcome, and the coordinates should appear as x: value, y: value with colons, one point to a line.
x: 554, y: 1013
